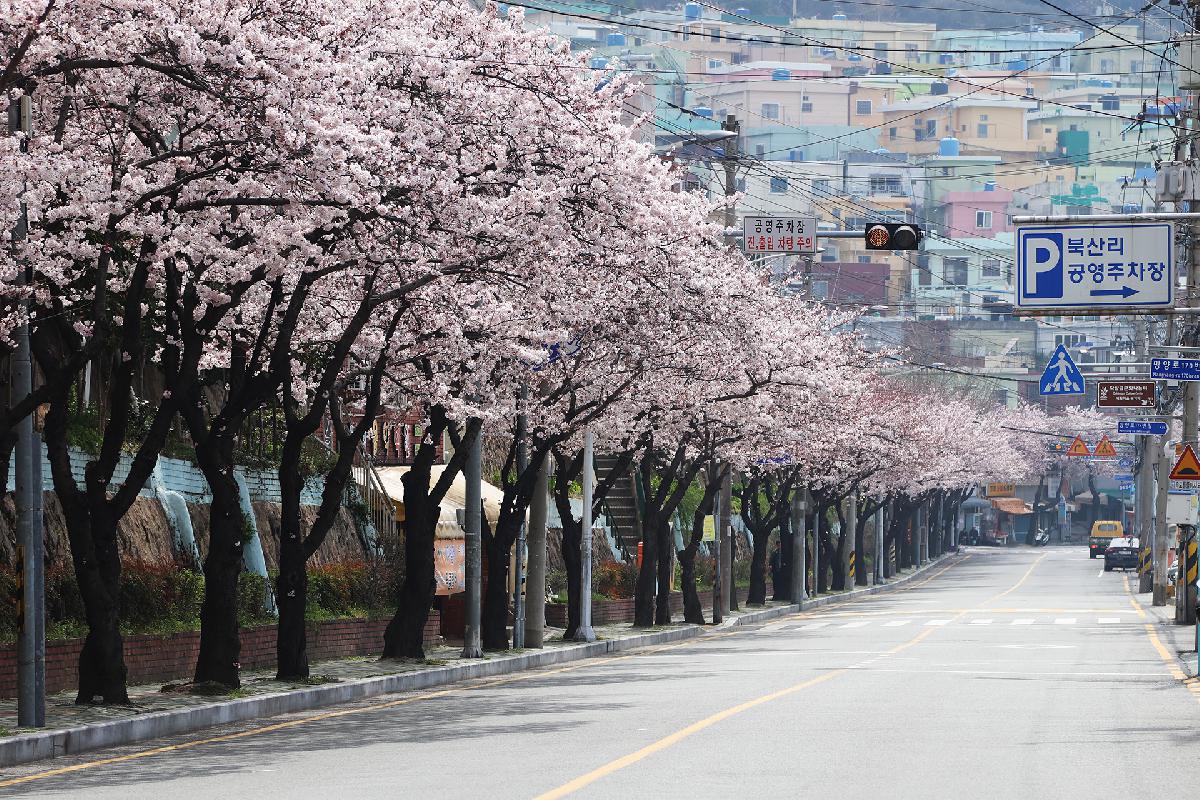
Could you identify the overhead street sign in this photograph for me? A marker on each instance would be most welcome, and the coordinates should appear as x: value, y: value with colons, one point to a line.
x: 1175, y: 369
x: 1061, y: 375
x: 1139, y: 428
x: 1125, y: 394
x: 779, y: 234
x: 1118, y: 265
x: 1001, y: 489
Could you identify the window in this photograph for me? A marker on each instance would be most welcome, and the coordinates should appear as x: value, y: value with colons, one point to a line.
x: 806, y: 104
x: 820, y: 290
x: 891, y: 133
x: 991, y: 267
x: 982, y: 130
x: 714, y: 34
x: 760, y: 150
x: 930, y: 128
x: 886, y: 184
x: 1110, y: 103
x: 862, y: 107
x: 1068, y: 339
x: 1048, y: 130
x: 779, y: 185
x: 741, y: 184
x: 983, y: 219
x: 864, y: 259
x: 770, y: 110
x: 821, y: 185
x: 910, y: 52
x: 954, y: 271
x: 983, y: 118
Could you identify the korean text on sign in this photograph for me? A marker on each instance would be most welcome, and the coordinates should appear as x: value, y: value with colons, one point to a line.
x: 780, y: 234
x: 1101, y: 259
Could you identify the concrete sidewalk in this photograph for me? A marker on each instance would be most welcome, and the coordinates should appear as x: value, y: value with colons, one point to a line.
x: 155, y: 713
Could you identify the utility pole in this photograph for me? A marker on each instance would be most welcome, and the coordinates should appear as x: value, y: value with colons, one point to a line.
x: 721, y: 609
x: 726, y: 541
x: 729, y: 160
x: 535, y: 595
x: 880, y: 527
x: 1144, y: 487
x: 585, y: 632
x: 473, y: 530
x: 1164, y: 460
x: 519, y: 566
x: 31, y: 637
x: 799, y: 547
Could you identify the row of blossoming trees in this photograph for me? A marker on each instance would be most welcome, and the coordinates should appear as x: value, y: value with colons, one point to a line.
x: 430, y: 202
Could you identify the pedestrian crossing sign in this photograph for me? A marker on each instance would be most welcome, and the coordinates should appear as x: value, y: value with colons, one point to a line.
x: 1104, y: 448
x: 1187, y: 468
x: 1079, y: 448
x: 1062, y: 377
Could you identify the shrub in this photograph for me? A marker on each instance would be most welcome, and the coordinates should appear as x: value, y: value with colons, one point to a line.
x: 615, y: 580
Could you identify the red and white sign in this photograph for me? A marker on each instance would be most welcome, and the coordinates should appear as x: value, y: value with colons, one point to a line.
x: 779, y: 234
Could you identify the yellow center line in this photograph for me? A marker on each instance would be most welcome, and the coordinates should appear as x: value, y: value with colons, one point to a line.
x: 1018, y: 584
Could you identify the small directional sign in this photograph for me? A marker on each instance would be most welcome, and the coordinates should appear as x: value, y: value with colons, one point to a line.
x: 1125, y: 463
x: 1079, y: 448
x: 1104, y: 448
x: 1140, y: 428
x: 1187, y: 468
x: 1098, y: 265
x: 1062, y: 377
x: 1175, y: 369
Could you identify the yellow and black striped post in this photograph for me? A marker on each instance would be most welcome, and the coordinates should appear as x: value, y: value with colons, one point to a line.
x: 1189, y: 572
x: 892, y: 556
x: 1145, y: 562
x: 852, y: 560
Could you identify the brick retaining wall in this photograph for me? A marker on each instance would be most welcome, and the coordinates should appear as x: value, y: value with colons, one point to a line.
x: 152, y: 659
x: 608, y: 612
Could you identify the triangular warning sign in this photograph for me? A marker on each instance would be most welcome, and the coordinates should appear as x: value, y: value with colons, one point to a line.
x: 1079, y: 448
x: 1104, y: 448
x: 1187, y: 468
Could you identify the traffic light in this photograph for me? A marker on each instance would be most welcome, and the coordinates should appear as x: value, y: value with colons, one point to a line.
x: 893, y: 236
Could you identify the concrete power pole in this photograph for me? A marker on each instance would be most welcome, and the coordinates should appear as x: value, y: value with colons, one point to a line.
x: 799, y: 547
x: 522, y: 532
x: 473, y: 531
x: 535, y: 595
x: 1144, y: 488
x: 585, y: 632
x: 726, y: 543
x: 31, y: 636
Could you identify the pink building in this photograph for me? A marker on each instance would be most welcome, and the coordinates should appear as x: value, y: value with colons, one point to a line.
x: 978, y: 215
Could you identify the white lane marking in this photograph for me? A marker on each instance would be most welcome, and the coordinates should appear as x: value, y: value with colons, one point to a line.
x: 981, y: 622
x: 896, y: 623
x: 937, y: 622
x: 1100, y: 574
x: 860, y: 624
x: 813, y: 626
x: 1109, y: 620
x: 1022, y: 622
x: 1065, y: 621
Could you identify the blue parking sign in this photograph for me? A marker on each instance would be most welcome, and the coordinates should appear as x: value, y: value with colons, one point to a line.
x: 1118, y: 265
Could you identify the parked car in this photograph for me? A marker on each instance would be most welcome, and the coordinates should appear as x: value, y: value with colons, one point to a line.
x: 1121, y: 553
x: 1103, y: 532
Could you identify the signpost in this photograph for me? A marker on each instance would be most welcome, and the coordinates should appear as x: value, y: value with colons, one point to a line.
x: 1001, y: 489
x: 1125, y: 394
x: 1175, y: 369
x: 1117, y: 265
x: 1062, y: 377
x: 1140, y: 428
x: 1187, y: 467
x: 779, y: 234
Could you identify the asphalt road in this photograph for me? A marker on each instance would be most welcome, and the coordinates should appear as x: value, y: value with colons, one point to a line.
x: 1011, y: 674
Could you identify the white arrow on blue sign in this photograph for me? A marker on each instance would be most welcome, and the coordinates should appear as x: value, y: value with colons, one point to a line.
x: 1061, y: 375
x: 1139, y: 428
x: 1075, y: 266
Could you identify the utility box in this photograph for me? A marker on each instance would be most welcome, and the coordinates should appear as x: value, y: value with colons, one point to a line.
x: 1183, y: 508
x: 1175, y: 182
x: 1188, y: 56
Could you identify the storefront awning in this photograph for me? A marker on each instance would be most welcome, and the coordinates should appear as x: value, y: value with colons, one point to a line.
x: 1012, y: 505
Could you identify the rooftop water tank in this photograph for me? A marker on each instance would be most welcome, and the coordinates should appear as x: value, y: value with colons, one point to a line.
x: 948, y: 146
x: 703, y: 111
x: 988, y: 186
x: 1106, y: 84
x: 1131, y: 208
x: 691, y: 11
x: 781, y: 74
x: 883, y: 68
x: 615, y: 40
x: 1018, y: 65
x: 599, y: 62
x: 939, y: 88
x: 840, y: 18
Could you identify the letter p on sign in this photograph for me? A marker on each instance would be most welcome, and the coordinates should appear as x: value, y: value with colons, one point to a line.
x: 1043, y: 260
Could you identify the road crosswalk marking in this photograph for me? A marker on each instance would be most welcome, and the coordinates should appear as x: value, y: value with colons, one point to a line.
x: 896, y: 623
x: 937, y: 622
x: 861, y: 623
x: 982, y: 621
x: 1109, y: 620
x: 1023, y: 621
x: 812, y: 626
x: 1065, y: 621
x: 942, y: 622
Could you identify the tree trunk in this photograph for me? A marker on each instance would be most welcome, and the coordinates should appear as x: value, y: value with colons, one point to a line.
x: 666, y: 571
x: 838, y: 561
x: 572, y: 541
x: 757, y: 595
x: 220, y: 646
x: 102, y: 671
x: 693, y: 610
x: 291, y: 587
x: 781, y: 585
x: 643, y: 597
x: 494, y: 621
x: 733, y: 587
x: 860, y: 547
x: 405, y: 633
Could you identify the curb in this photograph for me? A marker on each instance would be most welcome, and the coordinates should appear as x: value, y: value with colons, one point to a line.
x: 24, y: 748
